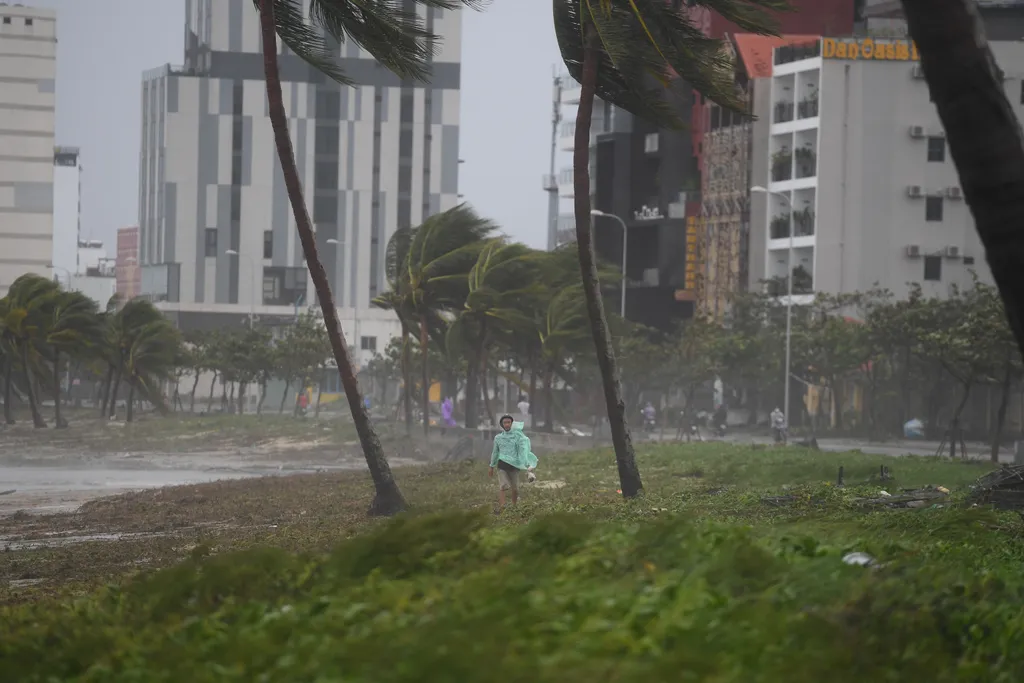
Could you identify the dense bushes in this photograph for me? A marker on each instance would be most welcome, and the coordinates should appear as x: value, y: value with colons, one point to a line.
x: 454, y: 597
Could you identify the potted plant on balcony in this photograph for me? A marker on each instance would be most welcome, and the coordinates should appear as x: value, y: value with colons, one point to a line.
x: 779, y: 227
x: 782, y: 165
x: 806, y: 162
x: 803, y: 222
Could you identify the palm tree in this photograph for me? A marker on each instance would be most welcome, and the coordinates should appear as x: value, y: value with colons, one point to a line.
x: 123, y: 329
x: 394, y: 300
x: 441, y: 253
x: 29, y: 303
x: 149, y: 358
x: 984, y: 135
x: 73, y: 329
x: 616, y: 49
x: 504, y: 277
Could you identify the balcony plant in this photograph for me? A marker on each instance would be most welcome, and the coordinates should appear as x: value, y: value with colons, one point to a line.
x: 782, y: 165
x: 779, y: 227
x: 806, y: 162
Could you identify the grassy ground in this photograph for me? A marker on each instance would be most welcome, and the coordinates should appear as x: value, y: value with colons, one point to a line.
x: 285, y: 580
x: 179, y: 432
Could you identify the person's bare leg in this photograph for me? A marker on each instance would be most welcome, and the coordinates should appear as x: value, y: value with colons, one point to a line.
x: 515, y: 496
x: 501, y: 498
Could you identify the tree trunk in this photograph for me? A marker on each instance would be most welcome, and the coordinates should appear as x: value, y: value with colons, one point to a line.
x: 387, y: 499
x: 984, y: 135
x: 625, y: 458
x: 320, y: 392
x: 425, y: 375
x: 472, y: 392
x: 284, y: 396
x: 263, y: 396
x: 549, y: 400
x: 8, y: 381
x: 130, y: 411
x: 58, y: 419
x: 107, y: 387
x: 1004, y: 402
x: 407, y: 379
x: 116, y: 384
x: 209, y: 399
x: 230, y: 404
x: 192, y: 403
x: 533, y: 393
x: 241, y: 397
x: 37, y: 417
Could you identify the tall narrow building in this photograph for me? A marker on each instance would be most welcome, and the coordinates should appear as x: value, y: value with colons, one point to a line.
x: 28, y: 71
x: 216, y: 234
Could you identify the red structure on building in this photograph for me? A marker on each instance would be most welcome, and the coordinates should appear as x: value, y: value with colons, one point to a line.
x: 129, y: 275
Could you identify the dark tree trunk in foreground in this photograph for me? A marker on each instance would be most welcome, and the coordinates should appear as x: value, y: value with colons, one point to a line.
x: 387, y: 499
x: 284, y: 396
x: 30, y: 389
x: 985, y: 138
x: 625, y: 458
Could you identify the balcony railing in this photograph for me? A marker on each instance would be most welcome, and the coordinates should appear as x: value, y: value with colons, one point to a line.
x: 782, y: 166
x: 808, y: 108
x: 802, y: 222
x: 806, y: 163
x: 783, y: 112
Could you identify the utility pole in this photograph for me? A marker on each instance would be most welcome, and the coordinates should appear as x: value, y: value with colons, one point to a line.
x: 551, y: 182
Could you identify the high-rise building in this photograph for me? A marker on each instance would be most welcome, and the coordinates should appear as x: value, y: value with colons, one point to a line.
x: 67, y: 211
x: 216, y: 234
x: 28, y: 61
x: 127, y: 271
x: 862, y: 189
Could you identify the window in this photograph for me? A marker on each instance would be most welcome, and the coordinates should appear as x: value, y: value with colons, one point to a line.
x: 933, y: 268
x: 933, y: 208
x: 211, y: 242
x: 7, y: 20
x: 968, y: 260
x: 271, y: 292
x: 28, y: 21
x: 268, y: 244
x: 368, y: 344
x: 936, y: 149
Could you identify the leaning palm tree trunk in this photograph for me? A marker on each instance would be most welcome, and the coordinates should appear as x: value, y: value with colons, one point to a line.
x: 59, y: 421
x: 8, y: 381
x: 984, y: 135
x: 625, y: 458
x: 388, y: 499
x: 30, y: 389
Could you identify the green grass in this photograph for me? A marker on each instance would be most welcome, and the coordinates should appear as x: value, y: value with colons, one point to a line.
x: 698, y: 581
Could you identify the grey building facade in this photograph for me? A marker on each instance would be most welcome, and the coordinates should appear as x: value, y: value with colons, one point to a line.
x: 859, y: 170
x: 217, y: 237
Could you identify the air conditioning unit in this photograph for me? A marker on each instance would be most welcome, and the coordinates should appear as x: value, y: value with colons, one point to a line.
x: 917, y: 132
x: 917, y: 71
x: 954, y: 193
x: 951, y: 252
x: 913, y: 251
x: 914, y: 191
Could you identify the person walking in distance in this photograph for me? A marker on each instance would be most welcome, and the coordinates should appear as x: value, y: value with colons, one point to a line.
x: 524, y: 409
x: 510, y: 455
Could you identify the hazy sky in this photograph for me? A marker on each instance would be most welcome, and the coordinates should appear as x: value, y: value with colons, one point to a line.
x: 507, y: 56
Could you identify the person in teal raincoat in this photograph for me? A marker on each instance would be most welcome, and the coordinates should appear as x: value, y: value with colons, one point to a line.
x: 510, y: 456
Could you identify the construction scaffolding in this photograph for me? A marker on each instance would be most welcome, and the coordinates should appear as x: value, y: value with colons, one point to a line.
x: 725, y: 209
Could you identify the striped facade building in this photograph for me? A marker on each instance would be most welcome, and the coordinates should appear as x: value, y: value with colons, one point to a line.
x: 216, y: 233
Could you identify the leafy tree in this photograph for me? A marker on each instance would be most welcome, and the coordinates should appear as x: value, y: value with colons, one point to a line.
x: 27, y: 309
x: 74, y: 329
x: 149, y: 358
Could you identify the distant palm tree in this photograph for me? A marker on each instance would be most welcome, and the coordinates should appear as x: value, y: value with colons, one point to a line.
x: 618, y: 50
x: 74, y: 329
x: 29, y: 303
x: 137, y: 318
x: 149, y: 359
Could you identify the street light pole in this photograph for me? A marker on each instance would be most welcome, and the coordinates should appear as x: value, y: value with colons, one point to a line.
x: 599, y: 214
x: 252, y: 274
x: 789, y: 293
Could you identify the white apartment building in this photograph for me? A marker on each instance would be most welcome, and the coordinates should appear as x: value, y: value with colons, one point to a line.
x: 67, y: 211
x: 857, y: 167
x: 28, y: 60
x: 217, y: 238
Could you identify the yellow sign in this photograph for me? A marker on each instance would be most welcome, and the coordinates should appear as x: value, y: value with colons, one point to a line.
x: 869, y: 48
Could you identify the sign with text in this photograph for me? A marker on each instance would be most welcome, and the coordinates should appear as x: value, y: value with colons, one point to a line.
x: 692, y: 247
x: 864, y: 49
x: 647, y: 213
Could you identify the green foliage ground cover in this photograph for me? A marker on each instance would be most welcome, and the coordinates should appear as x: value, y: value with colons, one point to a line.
x: 699, y: 581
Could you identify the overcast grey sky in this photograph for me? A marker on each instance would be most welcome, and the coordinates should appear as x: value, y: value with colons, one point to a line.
x: 507, y: 55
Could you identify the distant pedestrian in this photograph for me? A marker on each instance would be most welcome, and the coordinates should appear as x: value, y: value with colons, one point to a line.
x: 510, y: 456
x: 524, y: 409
